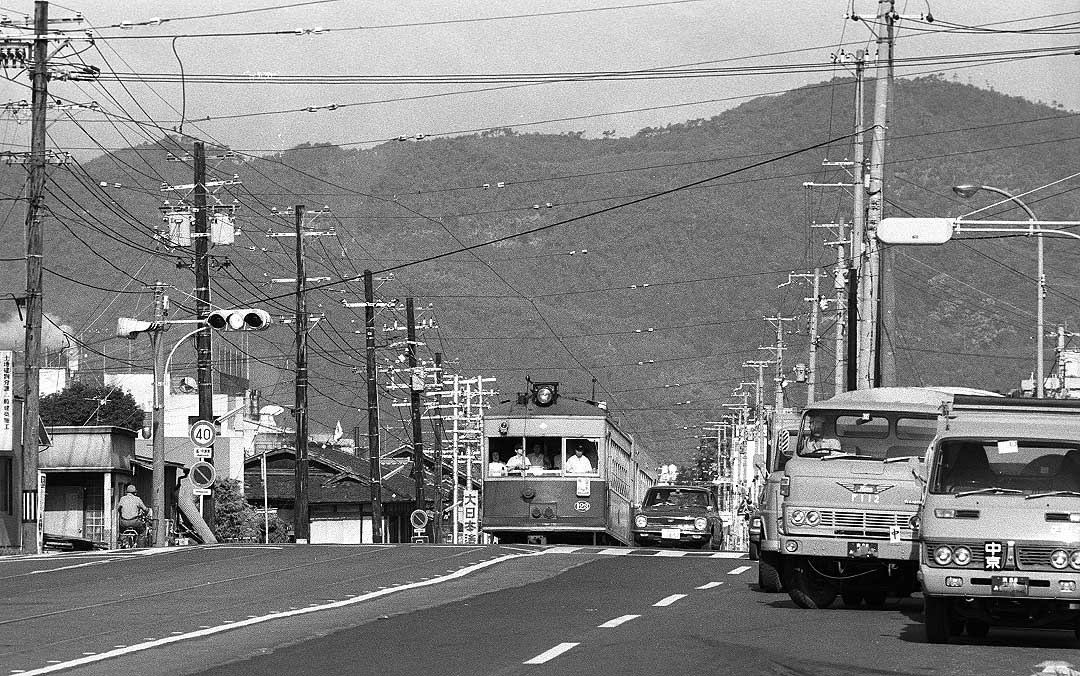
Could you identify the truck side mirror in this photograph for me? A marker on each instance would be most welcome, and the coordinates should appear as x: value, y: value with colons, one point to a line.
x: 918, y: 468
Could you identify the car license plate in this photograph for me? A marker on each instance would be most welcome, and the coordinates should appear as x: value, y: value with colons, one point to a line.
x: 1007, y: 585
x: 862, y: 550
x: 669, y: 533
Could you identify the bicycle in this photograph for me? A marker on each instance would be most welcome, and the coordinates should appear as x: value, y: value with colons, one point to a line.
x: 130, y: 538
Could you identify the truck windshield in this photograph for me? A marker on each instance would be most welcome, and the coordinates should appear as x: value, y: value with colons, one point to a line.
x: 1020, y: 466
x: 874, y: 435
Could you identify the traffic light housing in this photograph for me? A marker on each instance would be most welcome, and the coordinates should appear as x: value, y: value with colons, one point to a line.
x: 241, y: 319
x: 129, y: 328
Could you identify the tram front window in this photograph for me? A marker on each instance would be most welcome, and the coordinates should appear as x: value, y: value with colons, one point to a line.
x: 581, y: 457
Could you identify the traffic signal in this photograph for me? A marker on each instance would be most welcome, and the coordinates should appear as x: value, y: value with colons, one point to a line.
x: 243, y: 319
x: 129, y: 328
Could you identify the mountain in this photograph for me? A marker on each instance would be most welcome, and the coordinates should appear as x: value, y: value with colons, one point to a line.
x: 667, y: 248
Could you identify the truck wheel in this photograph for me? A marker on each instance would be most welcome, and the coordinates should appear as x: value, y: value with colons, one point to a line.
x: 806, y: 587
x: 768, y: 572
x: 875, y: 599
x: 755, y: 550
x: 937, y: 619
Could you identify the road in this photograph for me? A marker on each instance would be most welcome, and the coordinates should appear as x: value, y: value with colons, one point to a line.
x: 446, y: 610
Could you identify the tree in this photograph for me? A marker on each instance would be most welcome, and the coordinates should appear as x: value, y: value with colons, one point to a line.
x: 234, y: 519
x: 82, y: 404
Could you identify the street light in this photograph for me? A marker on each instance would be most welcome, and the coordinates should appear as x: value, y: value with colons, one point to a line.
x: 967, y: 191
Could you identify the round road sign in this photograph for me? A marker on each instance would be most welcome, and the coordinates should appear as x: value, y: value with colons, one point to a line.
x: 202, y: 433
x: 418, y: 519
x: 202, y: 475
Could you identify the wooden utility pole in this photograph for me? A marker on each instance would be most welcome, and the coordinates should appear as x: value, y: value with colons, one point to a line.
x: 416, y: 386
x: 301, y: 518
x: 204, y: 377
x: 859, y: 275
x: 157, y: 425
x: 815, y: 310
x: 373, y: 409
x: 437, y: 446
x: 31, y: 502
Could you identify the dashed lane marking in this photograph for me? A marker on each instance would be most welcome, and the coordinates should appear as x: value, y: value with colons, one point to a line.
x: 728, y: 555
x: 617, y: 621
x: 668, y: 600
x: 740, y: 569
x: 709, y: 585
x: 668, y: 552
x: 615, y: 552
x: 551, y: 653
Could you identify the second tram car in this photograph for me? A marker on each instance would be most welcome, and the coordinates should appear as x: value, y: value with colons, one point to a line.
x: 539, y: 490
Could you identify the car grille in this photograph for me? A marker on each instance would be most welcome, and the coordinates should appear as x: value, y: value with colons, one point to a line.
x: 682, y: 521
x: 858, y: 523
x: 1037, y: 557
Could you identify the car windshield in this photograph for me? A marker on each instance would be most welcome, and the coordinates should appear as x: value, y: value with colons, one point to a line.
x: 676, y: 497
x: 1005, y: 466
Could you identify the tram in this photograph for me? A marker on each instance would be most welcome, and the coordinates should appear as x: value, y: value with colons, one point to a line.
x: 539, y: 490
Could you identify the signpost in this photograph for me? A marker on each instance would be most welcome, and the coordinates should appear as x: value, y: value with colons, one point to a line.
x: 419, y: 521
x: 202, y: 433
x: 202, y: 475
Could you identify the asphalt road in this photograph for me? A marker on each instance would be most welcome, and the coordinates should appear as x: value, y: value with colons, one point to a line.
x: 444, y: 610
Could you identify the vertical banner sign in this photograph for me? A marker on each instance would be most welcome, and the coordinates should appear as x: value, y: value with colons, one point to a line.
x: 40, y: 516
x: 470, y: 516
x: 7, y: 404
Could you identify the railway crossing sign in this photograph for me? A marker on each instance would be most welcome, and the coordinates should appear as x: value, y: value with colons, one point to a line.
x: 202, y: 474
x: 202, y: 433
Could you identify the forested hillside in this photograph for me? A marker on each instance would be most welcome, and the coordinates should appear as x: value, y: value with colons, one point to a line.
x: 646, y: 262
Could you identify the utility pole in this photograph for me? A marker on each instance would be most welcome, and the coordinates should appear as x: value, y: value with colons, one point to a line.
x: 374, y: 454
x: 157, y: 428
x: 815, y: 308
x: 301, y: 518
x: 438, y: 481
x: 876, y: 315
x: 203, y: 345
x: 32, y: 503
x: 416, y: 386
x: 778, y: 351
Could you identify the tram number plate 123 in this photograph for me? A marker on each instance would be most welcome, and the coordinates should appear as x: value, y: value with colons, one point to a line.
x: 669, y: 533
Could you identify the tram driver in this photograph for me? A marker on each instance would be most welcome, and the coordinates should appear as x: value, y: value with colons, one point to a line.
x: 578, y: 463
x: 519, y: 462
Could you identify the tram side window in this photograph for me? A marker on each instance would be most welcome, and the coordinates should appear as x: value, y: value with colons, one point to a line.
x: 500, y: 450
x: 587, y: 462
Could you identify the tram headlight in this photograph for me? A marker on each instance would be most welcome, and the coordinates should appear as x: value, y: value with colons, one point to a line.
x: 1059, y: 559
x: 701, y: 523
x: 1074, y: 560
x: 798, y: 517
x: 943, y: 555
x: 961, y: 556
x: 813, y: 518
x: 641, y: 521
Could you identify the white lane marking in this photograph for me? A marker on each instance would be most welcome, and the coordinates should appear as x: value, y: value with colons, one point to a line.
x: 668, y: 600
x: 615, y: 552
x: 75, y: 565
x: 709, y: 585
x: 550, y: 654
x: 617, y: 621
x: 668, y: 552
x: 727, y: 555
x: 561, y: 550
x: 740, y: 569
x: 229, y: 625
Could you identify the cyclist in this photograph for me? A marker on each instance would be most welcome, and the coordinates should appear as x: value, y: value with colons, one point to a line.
x: 132, y: 511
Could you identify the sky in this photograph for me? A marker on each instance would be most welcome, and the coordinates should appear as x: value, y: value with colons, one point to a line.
x: 328, y: 44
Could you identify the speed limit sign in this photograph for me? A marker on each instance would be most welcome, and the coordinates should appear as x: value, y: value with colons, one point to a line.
x: 202, y: 433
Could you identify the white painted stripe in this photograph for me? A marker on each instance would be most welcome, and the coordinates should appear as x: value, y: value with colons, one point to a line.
x: 709, y: 585
x: 617, y: 621
x: 740, y: 569
x: 550, y: 654
x: 75, y: 565
x: 728, y: 555
x: 668, y: 600
x: 149, y: 643
x: 615, y: 552
x: 561, y: 550
x: 668, y: 552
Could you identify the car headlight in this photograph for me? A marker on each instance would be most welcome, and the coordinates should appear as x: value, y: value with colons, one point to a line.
x: 1074, y: 559
x: 641, y: 521
x: 701, y: 523
x: 943, y: 555
x: 813, y: 518
x: 1059, y: 559
x: 961, y: 556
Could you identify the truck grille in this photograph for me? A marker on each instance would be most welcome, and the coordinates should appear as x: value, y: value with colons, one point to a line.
x: 857, y: 523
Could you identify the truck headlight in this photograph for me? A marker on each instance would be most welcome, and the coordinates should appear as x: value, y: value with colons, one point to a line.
x: 641, y: 521
x: 1059, y: 559
x: 943, y: 555
x: 701, y: 523
x: 1074, y: 559
x: 813, y: 518
x: 961, y: 556
x: 797, y: 517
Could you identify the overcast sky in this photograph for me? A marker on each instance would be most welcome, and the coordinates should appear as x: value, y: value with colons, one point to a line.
x: 435, y: 37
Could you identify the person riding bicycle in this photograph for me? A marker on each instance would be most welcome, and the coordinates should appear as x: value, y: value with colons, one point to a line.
x: 132, y: 511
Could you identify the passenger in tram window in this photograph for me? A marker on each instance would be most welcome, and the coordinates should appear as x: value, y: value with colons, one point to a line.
x: 536, y: 457
x: 519, y: 462
x: 578, y: 463
x: 496, y: 467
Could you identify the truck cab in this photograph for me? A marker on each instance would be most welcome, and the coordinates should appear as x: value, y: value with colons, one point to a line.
x: 999, y: 525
